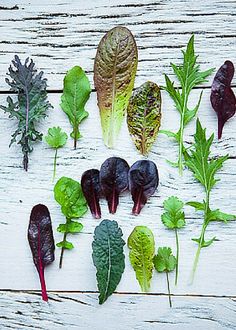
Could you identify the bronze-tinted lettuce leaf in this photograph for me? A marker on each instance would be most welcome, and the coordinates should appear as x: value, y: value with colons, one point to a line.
x: 114, y: 73
x: 144, y: 116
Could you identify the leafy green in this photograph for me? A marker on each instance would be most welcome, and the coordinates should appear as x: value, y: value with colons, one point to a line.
x: 56, y: 138
x: 174, y: 218
x: 68, y: 193
x: 144, y: 116
x: 142, y: 248
x: 76, y: 92
x: 204, y: 169
x: 31, y: 104
x: 189, y: 76
x: 114, y: 73
x: 108, y: 257
x: 164, y: 261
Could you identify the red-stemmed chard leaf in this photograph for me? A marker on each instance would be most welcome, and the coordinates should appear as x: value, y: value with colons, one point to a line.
x: 114, y: 180
x: 223, y: 99
x: 92, y: 191
x: 41, y: 242
x: 143, y: 182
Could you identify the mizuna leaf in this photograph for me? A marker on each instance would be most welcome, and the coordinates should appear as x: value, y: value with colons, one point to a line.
x: 142, y: 248
x: 114, y: 73
x: 114, y: 180
x: 91, y: 187
x: 76, y: 92
x: 143, y: 182
x: 144, y: 116
x: 41, y: 241
x: 108, y: 257
x: 31, y: 104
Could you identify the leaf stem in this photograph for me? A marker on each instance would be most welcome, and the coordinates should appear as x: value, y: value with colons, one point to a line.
x: 54, y: 165
x: 62, y: 251
x: 168, y: 286
x: 177, y: 256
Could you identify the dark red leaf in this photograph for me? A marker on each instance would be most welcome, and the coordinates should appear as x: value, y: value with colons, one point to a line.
x: 114, y: 180
x: 143, y: 181
x: 92, y: 191
x: 41, y: 242
x: 223, y: 99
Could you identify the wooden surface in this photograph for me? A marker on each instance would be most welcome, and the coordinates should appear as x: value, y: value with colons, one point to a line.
x: 59, y: 35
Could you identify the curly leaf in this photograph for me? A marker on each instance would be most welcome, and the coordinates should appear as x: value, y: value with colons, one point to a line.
x: 164, y: 261
x: 108, y: 257
x: 142, y: 248
x: 174, y: 217
x: 56, y: 138
x: 114, y: 73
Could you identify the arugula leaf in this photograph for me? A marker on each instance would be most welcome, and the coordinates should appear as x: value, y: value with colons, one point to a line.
x: 142, y: 248
x: 189, y: 76
x: 108, y: 257
x: 76, y: 92
x: 56, y: 138
x: 174, y: 218
x: 164, y: 261
x: 31, y: 104
x: 204, y: 170
x: 68, y: 193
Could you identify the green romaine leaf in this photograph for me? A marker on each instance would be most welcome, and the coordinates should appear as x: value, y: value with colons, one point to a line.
x: 56, y: 138
x: 108, y: 257
x: 164, y: 261
x: 76, y: 92
x: 114, y: 73
x: 144, y: 116
x: 174, y: 216
x: 142, y: 248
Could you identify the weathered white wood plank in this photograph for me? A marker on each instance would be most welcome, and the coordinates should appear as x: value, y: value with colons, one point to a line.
x: 136, y: 312
x: 61, y: 34
x: 20, y: 191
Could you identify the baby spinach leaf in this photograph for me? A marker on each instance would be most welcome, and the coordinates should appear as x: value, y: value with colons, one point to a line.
x: 174, y: 218
x: 76, y: 92
x: 68, y: 193
x: 144, y: 116
x: 108, y: 257
x: 114, y: 180
x: 91, y: 187
x: 31, y: 104
x: 164, y: 261
x: 142, y: 248
x: 114, y: 73
x: 143, y: 182
x: 56, y: 139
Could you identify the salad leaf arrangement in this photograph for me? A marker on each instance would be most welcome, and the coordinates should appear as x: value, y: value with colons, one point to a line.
x: 30, y: 107
x: 68, y: 193
x: 189, y: 76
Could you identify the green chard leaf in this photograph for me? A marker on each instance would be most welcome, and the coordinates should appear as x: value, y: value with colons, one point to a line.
x: 76, y: 92
x: 142, y: 248
x: 108, y: 257
x: 189, y: 76
x: 31, y: 104
x: 114, y: 73
x: 204, y: 170
x: 174, y: 218
x: 56, y: 139
x: 68, y: 193
x: 144, y: 116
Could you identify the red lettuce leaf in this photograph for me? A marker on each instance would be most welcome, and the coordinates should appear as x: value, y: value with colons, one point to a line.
x: 223, y: 99
x: 114, y: 180
x: 41, y: 242
x: 92, y: 191
x: 143, y: 181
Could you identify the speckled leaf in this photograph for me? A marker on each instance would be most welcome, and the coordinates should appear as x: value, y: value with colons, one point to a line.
x: 144, y: 116
x: 142, y: 248
x: 114, y: 73
x: 108, y: 257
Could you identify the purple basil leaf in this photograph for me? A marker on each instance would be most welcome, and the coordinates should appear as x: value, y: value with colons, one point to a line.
x: 223, y: 99
x: 92, y: 191
x: 114, y: 180
x: 41, y: 242
x: 143, y: 181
